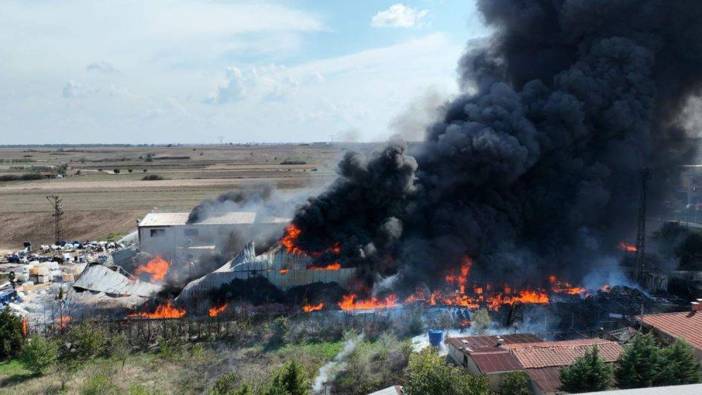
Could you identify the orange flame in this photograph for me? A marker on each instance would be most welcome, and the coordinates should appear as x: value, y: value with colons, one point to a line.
x: 628, y: 247
x: 162, y: 311
x: 563, y: 287
x: 63, y: 321
x: 289, y: 242
x: 350, y: 303
x: 308, y: 308
x: 214, y: 311
x: 283, y: 271
x: 331, y: 266
x: 292, y: 232
x: 155, y: 268
x: 25, y: 327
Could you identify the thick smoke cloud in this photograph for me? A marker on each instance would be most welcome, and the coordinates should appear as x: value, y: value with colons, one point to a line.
x: 536, y: 169
x: 230, y: 201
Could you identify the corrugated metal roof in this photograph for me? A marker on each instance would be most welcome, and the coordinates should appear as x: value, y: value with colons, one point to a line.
x: 495, y: 362
x: 547, y: 379
x: 99, y: 278
x: 230, y: 218
x: 562, y: 353
x: 686, y: 325
x: 164, y: 219
x: 394, y: 390
x: 473, y: 344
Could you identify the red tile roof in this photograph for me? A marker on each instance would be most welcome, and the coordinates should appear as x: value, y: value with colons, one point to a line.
x: 561, y: 353
x: 686, y: 325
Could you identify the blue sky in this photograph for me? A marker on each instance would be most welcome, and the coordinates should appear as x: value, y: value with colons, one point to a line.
x: 190, y: 71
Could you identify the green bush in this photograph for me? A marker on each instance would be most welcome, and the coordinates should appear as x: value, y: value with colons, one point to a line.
x: 11, y: 339
x: 428, y: 373
x: 118, y: 348
x: 589, y: 373
x: 291, y: 379
x: 99, y: 384
x: 373, y: 365
x: 84, y: 341
x: 226, y: 384
x: 515, y: 383
x: 39, y: 354
x: 480, y: 320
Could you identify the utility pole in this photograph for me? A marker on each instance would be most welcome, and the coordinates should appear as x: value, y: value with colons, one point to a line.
x: 641, y: 226
x: 57, y: 204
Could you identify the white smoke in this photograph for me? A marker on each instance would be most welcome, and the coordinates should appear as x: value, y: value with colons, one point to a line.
x: 330, y: 369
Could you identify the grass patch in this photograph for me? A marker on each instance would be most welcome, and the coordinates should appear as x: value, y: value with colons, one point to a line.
x: 322, y: 350
x: 13, y: 368
x: 13, y: 372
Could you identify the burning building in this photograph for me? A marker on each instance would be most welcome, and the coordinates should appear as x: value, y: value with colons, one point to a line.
x: 281, y: 268
x: 176, y: 239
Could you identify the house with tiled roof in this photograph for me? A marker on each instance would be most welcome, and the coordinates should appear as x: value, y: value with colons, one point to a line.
x: 495, y: 356
x: 685, y: 325
x: 543, y: 361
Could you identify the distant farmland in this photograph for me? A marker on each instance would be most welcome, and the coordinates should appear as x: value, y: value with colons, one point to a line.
x: 106, y: 189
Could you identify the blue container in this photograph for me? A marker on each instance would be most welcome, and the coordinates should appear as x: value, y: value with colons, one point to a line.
x: 435, y: 337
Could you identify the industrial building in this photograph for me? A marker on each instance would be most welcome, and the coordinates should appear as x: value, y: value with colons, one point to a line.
x: 172, y: 237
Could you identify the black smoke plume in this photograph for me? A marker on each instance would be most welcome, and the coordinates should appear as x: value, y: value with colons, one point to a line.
x: 535, y: 169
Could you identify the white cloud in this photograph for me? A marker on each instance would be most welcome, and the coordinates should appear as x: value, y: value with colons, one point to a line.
x: 72, y: 89
x: 101, y: 67
x: 232, y: 89
x: 398, y: 15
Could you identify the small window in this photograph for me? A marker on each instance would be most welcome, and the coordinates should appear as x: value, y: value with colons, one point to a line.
x: 191, y: 232
x: 157, y: 232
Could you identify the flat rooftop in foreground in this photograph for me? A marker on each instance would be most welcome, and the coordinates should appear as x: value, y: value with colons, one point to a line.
x: 230, y: 218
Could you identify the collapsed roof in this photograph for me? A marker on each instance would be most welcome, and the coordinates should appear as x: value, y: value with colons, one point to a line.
x: 113, y: 282
x: 282, y: 269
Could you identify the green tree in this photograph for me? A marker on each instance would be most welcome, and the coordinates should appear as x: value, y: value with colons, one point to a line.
x: 480, y: 321
x: 678, y: 365
x: 428, y: 373
x: 515, y: 383
x: 639, y: 364
x: 39, y: 354
x: 11, y: 339
x: 589, y: 373
x: 85, y: 341
x: 291, y: 379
